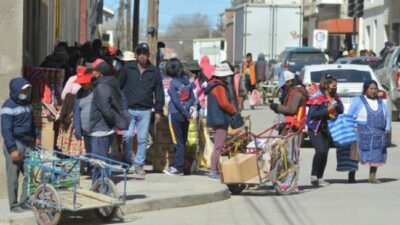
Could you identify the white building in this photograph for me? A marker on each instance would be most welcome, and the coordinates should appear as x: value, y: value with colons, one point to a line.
x: 380, y: 23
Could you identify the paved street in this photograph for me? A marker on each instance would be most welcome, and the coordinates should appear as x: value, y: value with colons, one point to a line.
x: 339, y: 203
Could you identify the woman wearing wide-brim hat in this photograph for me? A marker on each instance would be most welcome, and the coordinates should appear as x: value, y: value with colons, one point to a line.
x: 219, y: 112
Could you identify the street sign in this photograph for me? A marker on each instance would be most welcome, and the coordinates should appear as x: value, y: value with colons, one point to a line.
x: 320, y: 39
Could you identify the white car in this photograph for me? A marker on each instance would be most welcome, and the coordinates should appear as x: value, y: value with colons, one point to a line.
x: 350, y: 81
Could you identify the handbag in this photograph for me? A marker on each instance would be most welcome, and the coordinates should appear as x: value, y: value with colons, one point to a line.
x: 354, y: 152
x: 237, y: 121
x: 255, y: 98
x: 342, y: 129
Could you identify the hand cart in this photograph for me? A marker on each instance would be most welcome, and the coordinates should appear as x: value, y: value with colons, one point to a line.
x: 50, y: 198
x: 277, y: 159
x: 269, y: 90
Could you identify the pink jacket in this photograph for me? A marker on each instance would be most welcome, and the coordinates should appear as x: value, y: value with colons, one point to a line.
x: 200, y: 93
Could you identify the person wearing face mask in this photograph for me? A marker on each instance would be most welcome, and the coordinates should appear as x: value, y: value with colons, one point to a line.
x: 19, y: 135
x: 324, y: 105
x: 373, y: 127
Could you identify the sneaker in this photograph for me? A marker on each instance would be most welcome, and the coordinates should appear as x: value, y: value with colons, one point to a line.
x: 26, y: 206
x: 283, y: 186
x: 139, y: 170
x: 16, y: 209
x: 166, y: 170
x: 213, y: 175
x: 322, y: 183
x: 314, y: 180
x: 172, y: 171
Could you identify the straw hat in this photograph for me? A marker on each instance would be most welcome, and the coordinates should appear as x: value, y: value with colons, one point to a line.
x: 128, y: 56
x: 223, y: 70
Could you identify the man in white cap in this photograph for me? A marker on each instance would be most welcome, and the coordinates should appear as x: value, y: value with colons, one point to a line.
x: 295, y: 98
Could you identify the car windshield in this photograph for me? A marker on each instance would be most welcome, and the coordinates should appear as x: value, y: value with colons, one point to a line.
x: 307, y: 57
x: 343, y: 76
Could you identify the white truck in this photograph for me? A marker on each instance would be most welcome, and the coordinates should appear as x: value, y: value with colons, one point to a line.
x: 214, y: 48
x: 266, y: 28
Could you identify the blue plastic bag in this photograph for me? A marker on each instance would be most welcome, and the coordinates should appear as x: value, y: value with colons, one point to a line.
x: 342, y: 130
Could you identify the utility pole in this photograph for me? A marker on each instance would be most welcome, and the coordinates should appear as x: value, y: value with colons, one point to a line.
x: 152, y: 28
x: 128, y: 24
x: 119, y: 29
x: 136, y: 16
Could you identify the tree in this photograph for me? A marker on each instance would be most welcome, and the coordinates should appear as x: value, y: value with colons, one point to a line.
x: 183, y: 29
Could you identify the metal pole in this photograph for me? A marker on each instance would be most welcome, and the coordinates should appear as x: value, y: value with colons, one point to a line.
x: 136, y: 16
x: 354, y: 33
x: 128, y: 24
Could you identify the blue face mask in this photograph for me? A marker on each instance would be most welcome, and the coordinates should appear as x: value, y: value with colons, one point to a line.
x: 22, y: 97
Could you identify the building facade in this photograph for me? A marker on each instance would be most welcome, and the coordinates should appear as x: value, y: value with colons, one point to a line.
x: 380, y: 23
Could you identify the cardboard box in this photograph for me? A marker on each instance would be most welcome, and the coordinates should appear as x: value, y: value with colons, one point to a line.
x: 163, y: 134
x: 240, y: 168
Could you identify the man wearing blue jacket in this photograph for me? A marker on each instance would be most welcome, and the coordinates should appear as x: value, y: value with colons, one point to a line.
x: 18, y: 131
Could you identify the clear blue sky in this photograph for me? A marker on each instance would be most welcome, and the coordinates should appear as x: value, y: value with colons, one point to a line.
x: 171, y: 8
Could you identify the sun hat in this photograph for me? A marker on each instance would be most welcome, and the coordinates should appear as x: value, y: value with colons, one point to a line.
x: 223, y: 70
x: 127, y: 56
x: 288, y: 75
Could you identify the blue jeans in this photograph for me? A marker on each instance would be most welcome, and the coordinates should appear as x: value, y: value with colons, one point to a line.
x: 100, y: 146
x: 140, y: 120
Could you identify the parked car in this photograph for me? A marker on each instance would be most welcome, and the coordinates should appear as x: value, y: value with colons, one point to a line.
x: 374, y: 62
x: 389, y: 77
x: 294, y: 59
x: 350, y: 81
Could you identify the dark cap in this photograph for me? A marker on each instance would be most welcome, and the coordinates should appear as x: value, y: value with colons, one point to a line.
x: 100, y: 66
x: 143, y: 48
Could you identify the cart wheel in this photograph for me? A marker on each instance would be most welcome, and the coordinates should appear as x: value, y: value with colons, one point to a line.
x: 46, y: 205
x: 236, y: 189
x: 108, y: 188
x: 284, y: 178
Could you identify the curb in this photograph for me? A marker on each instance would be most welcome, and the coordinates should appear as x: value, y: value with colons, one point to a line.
x: 176, y: 202
x: 138, y: 205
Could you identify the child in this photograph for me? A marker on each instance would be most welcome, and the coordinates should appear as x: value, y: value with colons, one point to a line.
x: 182, y: 99
x: 19, y: 133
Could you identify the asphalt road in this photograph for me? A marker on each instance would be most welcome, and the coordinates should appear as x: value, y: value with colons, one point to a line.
x: 337, y: 204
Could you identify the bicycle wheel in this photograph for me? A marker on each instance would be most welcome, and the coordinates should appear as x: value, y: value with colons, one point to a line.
x: 108, y: 188
x: 284, y: 176
x: 46, y: 205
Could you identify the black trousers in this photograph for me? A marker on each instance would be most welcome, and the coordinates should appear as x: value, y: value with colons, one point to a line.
x: 320, y: 142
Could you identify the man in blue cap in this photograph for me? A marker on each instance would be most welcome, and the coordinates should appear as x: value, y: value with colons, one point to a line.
x: 141, y: 83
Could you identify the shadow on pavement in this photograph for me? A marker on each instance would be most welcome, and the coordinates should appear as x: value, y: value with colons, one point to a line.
x: 362, y: 181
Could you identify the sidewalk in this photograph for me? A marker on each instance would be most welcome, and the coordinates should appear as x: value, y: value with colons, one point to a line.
x: 157, y: 191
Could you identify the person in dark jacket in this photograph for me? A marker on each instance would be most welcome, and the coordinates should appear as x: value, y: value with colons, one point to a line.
x: 141, y: 83
x: 59, y: 60
x: 105, y: 110
x: 19, y: 135
x: 323, y: 106
x: 182, y: 99
x: 220, y: 110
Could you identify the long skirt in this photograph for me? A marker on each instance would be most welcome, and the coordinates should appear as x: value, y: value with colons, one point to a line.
x: 344, y: 163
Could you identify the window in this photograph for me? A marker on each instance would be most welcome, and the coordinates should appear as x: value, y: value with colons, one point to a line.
x: 343, y: 76
x: 309, y: 57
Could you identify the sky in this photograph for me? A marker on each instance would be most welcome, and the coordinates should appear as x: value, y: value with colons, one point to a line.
x: 171, y: 8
